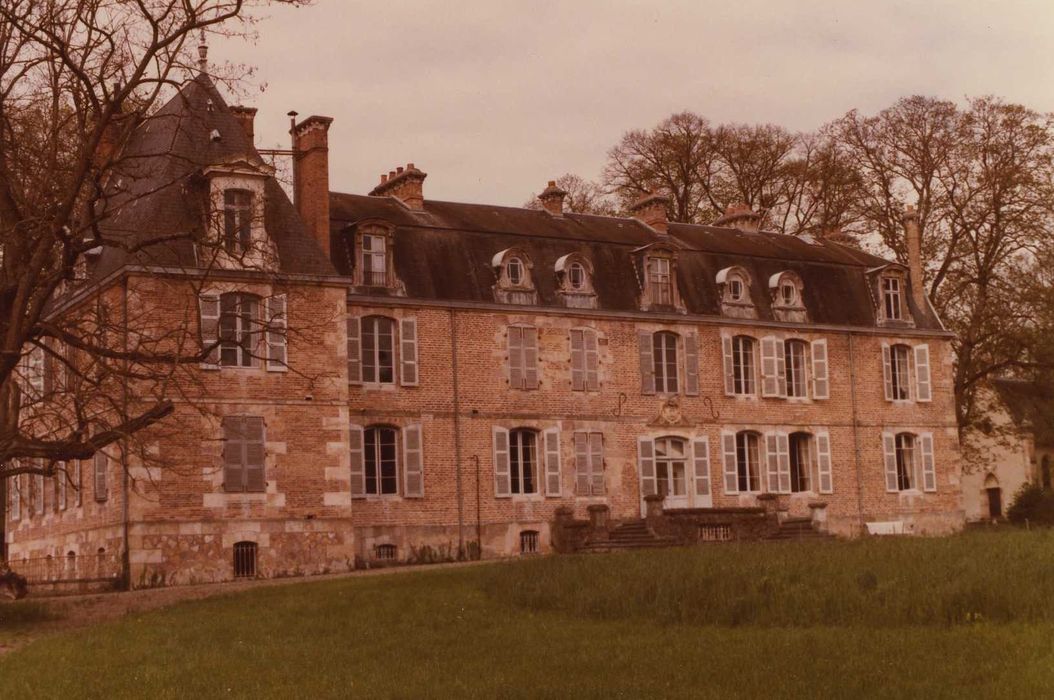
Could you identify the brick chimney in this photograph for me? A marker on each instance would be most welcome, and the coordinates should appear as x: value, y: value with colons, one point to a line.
x: 913, y: 236
x: 311, y: 175
x: 552, y: 199
x: 405, y: 184
x: 739, y: 216
x: 650, y: 210
x: 245, y: 117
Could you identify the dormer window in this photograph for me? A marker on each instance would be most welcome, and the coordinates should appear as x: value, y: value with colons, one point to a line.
x: 734, y: 288
x: 374, y: 266
x: 576, y: 276
x: 660, y: 281
x: 658, y: 278
x: 788, y: 294
x: 788, y: 299
x: 574, y: 272
x: 237, y: 220
x: 515, y: 284
x: 891, y: 299
x: 889, y: 285
x: 374, y: 260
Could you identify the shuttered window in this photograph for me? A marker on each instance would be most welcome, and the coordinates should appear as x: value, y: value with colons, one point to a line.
x: 378, y: 350
x: 523, y: 461
x: 589, y: 463
x: 378, y: 468
x: 372, y: 345
x: 277, y: 326
x: 896, y: 371
x: 909, y: 461
x: 381, y: 461
x: 741, y: 364
x: 748, y: 462
x: 773, y: 367
x: 923, y: 389
x: 824, y: 472
x: 820, y: 369
x: 523, y: 357
x: 243, y: 454
x: 585, y: 360
x: 99, y: 462
x: 701, y: 461
x: 551, y: 438
x: 664, y: 362
x: 777, y: 454
x: 239, y: 329
x: 209, y: 325
x: 794, y: 362
x: 413, y: 462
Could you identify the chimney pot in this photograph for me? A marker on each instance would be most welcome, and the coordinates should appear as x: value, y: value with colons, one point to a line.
x: 650, y: 210
x: 399, y: 170
x: 404, y: 184
x: 410, y: 166
x: 384, y: 178
x: 552, y: 199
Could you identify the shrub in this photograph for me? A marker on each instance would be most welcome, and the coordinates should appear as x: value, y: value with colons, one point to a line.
x: 1032, y: 504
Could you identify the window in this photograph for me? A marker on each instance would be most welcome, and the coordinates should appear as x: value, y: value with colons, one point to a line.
x: 788, y: 293
x: 385, y: 552
x: 909, y: 462
x: 239, y: 313
x: 664, y: 362
x: 523, y: 461
x: 237, y: 221
x: 585, y: 360
x: 748, y: 462
x: 529, y: 542
x: 523, y: 357
x: 374, y: 261
x: 60, y: 487
x: 800, y: 462
x: 38, y: 493
x: 378, y: 350
x: 244, y: 559
x: 794, y: 356
x: 671, y: 457
x: 899, y: 372
x: 743, y: 365
x: 514, y: 271
x: 660, y: 281
x: 891, y: 303
x: 381, y: 461
x: 735, y: 289
x: 576, y: 276
x: 243, y: 454
x: 14, y: 491
x: 905, y: 461
x: 589, y: 464
x: 514, y: 284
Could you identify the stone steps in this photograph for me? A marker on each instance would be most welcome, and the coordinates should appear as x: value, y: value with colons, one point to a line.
x: 633, y: 534
x: 798, y: 529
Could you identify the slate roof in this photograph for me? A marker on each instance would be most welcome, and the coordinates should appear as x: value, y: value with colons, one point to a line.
x: 444, y: 253
x: 1029, y: 403
x: 157, y: 180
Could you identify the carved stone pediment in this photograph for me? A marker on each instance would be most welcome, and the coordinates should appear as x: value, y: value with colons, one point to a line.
x: 671, y: 416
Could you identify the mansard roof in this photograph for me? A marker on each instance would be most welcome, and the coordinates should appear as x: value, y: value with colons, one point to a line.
x: 157, y: 188
x: 444, y: 253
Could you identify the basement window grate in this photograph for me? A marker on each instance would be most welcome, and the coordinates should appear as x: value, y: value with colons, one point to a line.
x: 244, y: 559
x: 529, y: 542
x: 385, y: 552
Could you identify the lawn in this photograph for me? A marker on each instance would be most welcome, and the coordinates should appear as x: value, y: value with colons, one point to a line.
x: 968, y: 616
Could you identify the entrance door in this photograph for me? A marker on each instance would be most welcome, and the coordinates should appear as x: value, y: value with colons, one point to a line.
x: 671, y: 471
x: 995, y: 502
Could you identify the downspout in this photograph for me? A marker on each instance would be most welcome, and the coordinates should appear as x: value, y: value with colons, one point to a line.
x: 856, y: 434
x: 126, y: 562
x: 457, y: 438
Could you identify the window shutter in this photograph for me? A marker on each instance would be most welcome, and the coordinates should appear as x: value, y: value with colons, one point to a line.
x: 929, y: 471
x: 209, y: 306
x: 887, y: 371
x: 516, y: 354
x: 60, y: 483
x: 255, y: 454
x: 38, y: 495
x: 820, y: 370
x: 596, y: 462
x: 781, y: 368
x: 728, y: 453
x: 701, y: 461
x: 583, y: 483
x: 552, y: 462
x: 530, y: 358
x: 99, y: 463
x: 773, y: 461
x: 726, y: 352
x: 923, y: 388
x: 413, y: 462
x: 14, y: 486
x: 592, y: 361
x: 234, y: 434
x: 823, y: 462
x: 889, y: 453
x: 354, y: 350
x: 78, y: 481
x: 691, y: 363
x: 783, y: 452
x: 501, y: 463
x: 770, y: 383
x: 647, y: 365
x: 36, y: 371
x: 578, y: 360
x: 646, y: 462
x: 358, y: 464
x: 275, y: 312
x: 408, y: 366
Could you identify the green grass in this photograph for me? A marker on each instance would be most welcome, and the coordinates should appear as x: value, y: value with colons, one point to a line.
x: 16, y: 621
x: 487, y: 632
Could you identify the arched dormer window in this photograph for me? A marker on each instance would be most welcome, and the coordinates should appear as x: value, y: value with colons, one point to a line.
x: 788, y: 297
x: 734, y: 288
x: 373, y: 265
x: 574, y: 272
x: 515, y: 281
x: 889, y: 286
x: 659, y: 289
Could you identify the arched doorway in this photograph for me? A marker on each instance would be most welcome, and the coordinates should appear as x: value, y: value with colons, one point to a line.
x: 995, y: 497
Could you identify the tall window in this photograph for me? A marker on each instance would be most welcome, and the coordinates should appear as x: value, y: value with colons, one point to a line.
x: 670, y: 460
x: 660, y: 281
x: 99, y: 476
x: 905, y: 461
x: 374, y: 261
x: 899, y: 372
x: 514, y: 271
x: 243, y: 454
x: 237, y: 221
x: 794, y: 355
x: 378, y: 350
x: 891, y: 298
x: 735, y: 289
x: 239, y: 314
x: 743, y: 365
x: 576, y: 275
x: 748, y: 461
x: 380, y: 458
x: 800, y: 462
x: 664, y: 360
x: 523, y: 461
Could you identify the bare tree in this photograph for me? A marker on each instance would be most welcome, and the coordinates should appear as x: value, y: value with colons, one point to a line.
x: 82, y: 366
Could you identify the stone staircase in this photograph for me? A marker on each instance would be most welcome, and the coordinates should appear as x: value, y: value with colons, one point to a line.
x: 629, y: 534
x: 799, y: 529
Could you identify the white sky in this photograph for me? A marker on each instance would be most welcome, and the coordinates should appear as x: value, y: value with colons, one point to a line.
x: 493, y: 98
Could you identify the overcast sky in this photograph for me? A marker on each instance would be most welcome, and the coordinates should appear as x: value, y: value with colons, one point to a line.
x: 493, y: 98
